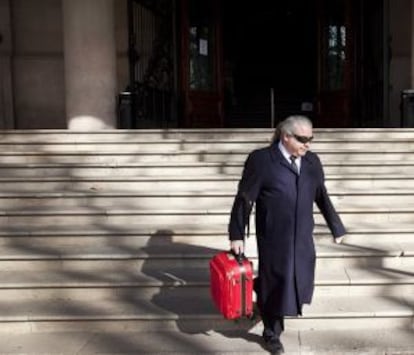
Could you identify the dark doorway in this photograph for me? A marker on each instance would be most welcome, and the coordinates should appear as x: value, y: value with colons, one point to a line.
x: 322, y: 58
x: 372, y: 64
x: 270, y: 60
x: 234, y: 63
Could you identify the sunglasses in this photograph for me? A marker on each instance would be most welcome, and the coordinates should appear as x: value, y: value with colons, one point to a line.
x: 303, y: 139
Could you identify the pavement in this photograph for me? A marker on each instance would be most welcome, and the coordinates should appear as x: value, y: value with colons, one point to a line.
x: 236, y: 341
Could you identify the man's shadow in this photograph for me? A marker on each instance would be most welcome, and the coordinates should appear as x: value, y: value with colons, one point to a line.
x: 184, y: 294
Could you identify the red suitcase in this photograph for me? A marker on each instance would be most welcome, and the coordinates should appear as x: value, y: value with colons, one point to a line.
x: 231, y: 285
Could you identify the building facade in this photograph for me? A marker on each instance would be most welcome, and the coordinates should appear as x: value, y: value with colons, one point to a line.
x: 102, y: 64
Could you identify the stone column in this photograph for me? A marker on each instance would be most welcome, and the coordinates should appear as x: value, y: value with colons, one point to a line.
x: 6, y: 84
x: 90, y: 64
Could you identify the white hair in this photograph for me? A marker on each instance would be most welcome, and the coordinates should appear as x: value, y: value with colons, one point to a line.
x: 287, y: 125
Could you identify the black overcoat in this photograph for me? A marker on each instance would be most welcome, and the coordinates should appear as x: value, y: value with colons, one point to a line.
x: 284, y: 225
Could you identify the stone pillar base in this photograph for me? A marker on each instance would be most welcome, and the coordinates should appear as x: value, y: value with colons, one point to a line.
x: 90, y: 64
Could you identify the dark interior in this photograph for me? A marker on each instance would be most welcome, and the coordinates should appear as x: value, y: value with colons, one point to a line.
x: 272, y: 44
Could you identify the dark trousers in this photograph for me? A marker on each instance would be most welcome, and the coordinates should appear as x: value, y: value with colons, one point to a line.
x: 273, y: 326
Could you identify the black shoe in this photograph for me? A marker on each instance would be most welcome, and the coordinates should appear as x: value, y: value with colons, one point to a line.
x: 274, y: 346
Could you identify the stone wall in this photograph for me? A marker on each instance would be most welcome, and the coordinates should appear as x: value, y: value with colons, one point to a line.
x: 38, y: 65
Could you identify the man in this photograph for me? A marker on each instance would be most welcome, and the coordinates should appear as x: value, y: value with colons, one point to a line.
x: 284, y: 180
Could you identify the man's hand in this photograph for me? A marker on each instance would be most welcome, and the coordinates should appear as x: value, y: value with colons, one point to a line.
x: 237, y: 246
x: 339, y: 239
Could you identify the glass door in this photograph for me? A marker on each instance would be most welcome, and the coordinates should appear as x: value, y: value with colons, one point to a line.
x: 201, y: 79
x: 335, y: 63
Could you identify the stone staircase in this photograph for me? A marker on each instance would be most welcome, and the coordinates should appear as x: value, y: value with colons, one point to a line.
x: 113, y: 230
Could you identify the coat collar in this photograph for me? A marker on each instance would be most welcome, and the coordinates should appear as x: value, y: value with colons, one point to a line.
x: 278, y: 158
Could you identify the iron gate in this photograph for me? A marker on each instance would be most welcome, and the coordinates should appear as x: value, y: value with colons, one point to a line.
x: 148, y: 101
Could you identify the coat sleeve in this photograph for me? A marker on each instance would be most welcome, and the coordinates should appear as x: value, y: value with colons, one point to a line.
x: 248, y: 190
x: 326, y: 207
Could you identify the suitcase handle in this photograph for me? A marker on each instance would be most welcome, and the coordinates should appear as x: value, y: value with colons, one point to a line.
x: 239, y: 257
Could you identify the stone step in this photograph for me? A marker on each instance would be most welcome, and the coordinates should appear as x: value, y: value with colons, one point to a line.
x: 144, y: 135
x: 112, y: 302
x: 381, y: 220
x: 14, y: 249
x: 111, y: 244
x: 380, y: 201
x: 172, y: 146
x: 164, y: 253
x: 228, y: 182
x: 208, y: 169
x: 243, y: 340
x: 184, y: 228
x: 344, y: 168
x: 349, y: 281
x: 240, y: 134
x: 20, y: 244
x: 179, y: 157
x: 124, y: 311
x: 95, y: 268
